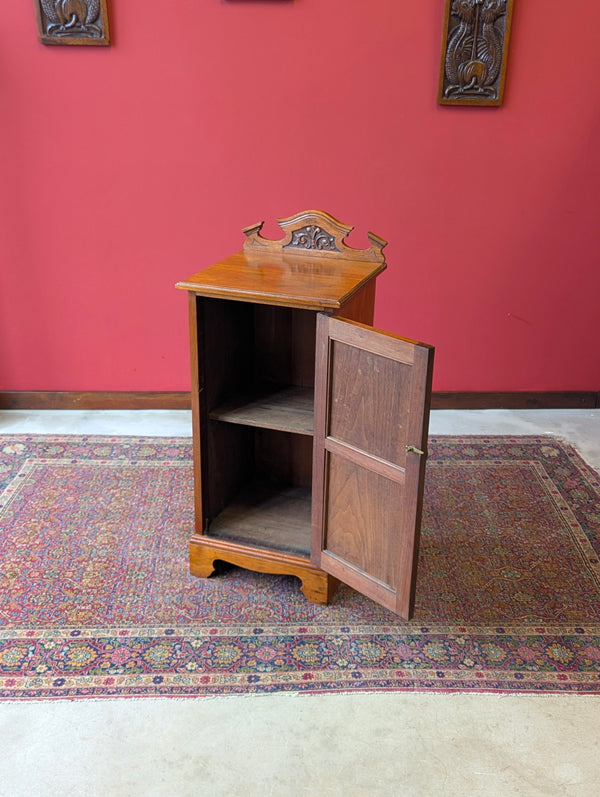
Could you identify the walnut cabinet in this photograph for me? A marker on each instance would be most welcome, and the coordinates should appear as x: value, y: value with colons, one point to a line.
x: 309, y: 426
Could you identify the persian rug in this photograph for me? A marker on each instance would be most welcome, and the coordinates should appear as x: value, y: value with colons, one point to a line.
x: 96, y: 599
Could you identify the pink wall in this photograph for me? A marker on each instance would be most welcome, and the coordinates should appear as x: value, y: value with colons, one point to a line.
x: 127, y: 168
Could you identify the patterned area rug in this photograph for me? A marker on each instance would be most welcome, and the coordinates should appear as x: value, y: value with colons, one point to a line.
x: 96, y: 599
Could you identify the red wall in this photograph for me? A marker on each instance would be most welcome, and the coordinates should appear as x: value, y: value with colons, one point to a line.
x: 125, y: 169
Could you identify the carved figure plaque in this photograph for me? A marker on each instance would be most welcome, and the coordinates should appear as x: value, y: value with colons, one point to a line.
x: 474, y: 52
x: 72, y: 22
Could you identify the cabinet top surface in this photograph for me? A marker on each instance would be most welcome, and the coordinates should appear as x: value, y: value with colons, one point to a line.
x: 290, y: 281
x: 310, y: 267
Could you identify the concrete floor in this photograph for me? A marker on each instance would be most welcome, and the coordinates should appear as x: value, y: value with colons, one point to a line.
x: 352, y: 745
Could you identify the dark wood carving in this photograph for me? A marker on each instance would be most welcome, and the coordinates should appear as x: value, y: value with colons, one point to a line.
x: 312, y: 237
x: 72, y: 22
x: 474, y: 52
x: 313, y: 232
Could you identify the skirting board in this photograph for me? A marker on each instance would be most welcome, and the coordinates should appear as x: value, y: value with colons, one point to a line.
x: 93, y: 400
x: 136, y: 400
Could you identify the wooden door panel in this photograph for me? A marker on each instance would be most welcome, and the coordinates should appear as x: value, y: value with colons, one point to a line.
x: 359, y: 510
x: 372, y: 396
x: 377, y: 380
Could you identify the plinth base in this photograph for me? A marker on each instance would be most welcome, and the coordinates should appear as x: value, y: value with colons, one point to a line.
x: 317, y: 586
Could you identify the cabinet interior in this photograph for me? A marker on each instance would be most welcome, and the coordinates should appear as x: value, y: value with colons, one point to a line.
x: 257, y: 398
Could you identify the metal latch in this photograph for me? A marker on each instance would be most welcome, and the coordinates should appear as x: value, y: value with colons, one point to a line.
x: 413, y: 450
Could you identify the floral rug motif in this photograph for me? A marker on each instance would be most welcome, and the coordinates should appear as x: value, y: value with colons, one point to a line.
x: 96, y: 599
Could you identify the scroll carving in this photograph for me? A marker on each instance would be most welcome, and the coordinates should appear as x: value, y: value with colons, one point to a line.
x: 72, y: 22
x: 474, y: 52
x: 312, y: 237
x: 313, y: 233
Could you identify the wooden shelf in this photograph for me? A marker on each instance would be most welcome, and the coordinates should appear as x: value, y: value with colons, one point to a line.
x: 267, y: 516
x: 289, y: 409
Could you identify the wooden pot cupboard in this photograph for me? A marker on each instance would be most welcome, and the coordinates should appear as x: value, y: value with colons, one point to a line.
x: 309, y: 426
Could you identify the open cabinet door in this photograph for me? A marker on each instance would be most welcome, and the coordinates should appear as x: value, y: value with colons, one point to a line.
x: 372, y: 397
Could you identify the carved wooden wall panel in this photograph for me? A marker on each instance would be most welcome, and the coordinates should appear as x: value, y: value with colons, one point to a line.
x: 72, y: 21
x: 474, y: 52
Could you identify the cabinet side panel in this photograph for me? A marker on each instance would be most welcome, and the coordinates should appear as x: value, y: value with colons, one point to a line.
x: 197, y: 399
x: 361, y: 307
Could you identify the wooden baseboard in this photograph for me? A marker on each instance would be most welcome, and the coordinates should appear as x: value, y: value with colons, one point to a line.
x: 136, y: 400
x: 518, y: 400
x: 94, y: 400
